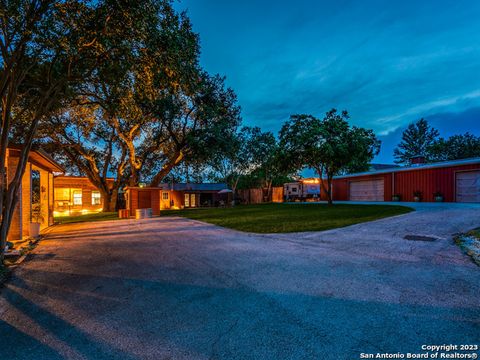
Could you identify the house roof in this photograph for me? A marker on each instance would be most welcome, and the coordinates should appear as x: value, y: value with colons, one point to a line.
x: 143, y: 187
x: 440, y: 164
x: 79, y: 177
x: 194, y: 187
x: 39, y: 156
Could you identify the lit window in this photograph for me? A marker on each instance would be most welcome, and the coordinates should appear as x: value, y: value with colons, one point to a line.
x: 165, y: 195
x: 77, y: 197
x: 187, y: 200
x: 193, y: 203
x: 96, y: 198
x: 62, y: 194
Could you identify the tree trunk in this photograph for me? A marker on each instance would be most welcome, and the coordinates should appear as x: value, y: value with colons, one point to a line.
x: 327, y: 189
x: 329, y: 182
x: 234, y: 190
x: 134, y: 178
x: 107, y: 201
x: 7, y: 214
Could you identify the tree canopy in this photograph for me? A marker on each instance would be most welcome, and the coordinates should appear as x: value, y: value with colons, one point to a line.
x: 417, y: 139
x: 250, y: 151
x: 330, y: 146
x: 48, y: 50
x: 145, y: 113
x: 455, y: 147
x: 421, y: 139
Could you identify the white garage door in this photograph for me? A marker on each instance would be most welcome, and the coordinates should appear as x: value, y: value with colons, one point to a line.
x: 367, y: 190
x: 468, y: 186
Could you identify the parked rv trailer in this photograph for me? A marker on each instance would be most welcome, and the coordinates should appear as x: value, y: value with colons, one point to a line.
x: 302, y: 190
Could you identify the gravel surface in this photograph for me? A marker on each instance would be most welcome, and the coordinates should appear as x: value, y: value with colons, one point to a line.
x: 173, y: 288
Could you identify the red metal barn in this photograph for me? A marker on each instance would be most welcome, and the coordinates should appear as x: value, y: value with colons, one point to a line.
x: 455, y: 181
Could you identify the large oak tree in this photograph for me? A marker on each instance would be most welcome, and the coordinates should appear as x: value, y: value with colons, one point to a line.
x: 48, y: 49
x: 330, y: 146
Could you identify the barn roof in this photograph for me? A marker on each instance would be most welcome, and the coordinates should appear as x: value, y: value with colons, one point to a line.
x: 376, y: 167
x: 440, y: 164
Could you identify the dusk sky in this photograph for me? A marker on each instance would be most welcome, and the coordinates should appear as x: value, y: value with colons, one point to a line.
x: 388, y: 63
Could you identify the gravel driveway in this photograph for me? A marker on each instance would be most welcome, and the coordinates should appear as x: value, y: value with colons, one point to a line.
x: 173, y: 288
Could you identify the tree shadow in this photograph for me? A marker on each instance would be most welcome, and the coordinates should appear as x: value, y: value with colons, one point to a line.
x: 14, y: 341
x: 15, y: 344
x: 194, y: 317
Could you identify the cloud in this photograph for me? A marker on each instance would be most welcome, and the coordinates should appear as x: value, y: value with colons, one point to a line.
x: 387, y: 63
x: 448, y: 123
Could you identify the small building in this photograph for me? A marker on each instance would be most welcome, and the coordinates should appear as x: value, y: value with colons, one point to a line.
x: 142, y: 198
x: 455, y: 181
x: 175, y: 196
x: 35, y: 202
x: 76, y: 195
x: 187, y: 195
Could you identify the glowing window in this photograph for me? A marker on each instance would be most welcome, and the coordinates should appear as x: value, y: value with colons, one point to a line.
x: 77, y: 197
x: 96, y: 198
x: 62, y: 194
x: 165, y: 195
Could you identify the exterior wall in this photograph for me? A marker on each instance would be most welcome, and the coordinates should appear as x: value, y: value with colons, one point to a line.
x: 20, y: 226
x: 155, y: 201
x: 175, y: 200
x: 131, y: 197
x: 16, y: 226
x: 133, y: 203
x: 429, y: 181
x: 44, y: 197
x: 83, y: 184
x: 26, y: 200
x: 178, y: 199
x: 51, y: 192
x: 404, y: 183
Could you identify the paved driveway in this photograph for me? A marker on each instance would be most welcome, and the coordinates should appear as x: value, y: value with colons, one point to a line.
x: 172, y: 288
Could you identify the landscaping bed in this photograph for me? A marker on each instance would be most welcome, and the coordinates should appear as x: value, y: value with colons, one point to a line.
x: 470, y: 244
x: 15, y: 254
x: 101, y: 216
x: 284, y: 218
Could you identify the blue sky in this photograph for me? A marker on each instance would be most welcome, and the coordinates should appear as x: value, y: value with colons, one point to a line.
x: 387, y: 62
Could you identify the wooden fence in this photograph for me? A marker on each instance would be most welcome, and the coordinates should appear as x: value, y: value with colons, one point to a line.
x: 258, y: 196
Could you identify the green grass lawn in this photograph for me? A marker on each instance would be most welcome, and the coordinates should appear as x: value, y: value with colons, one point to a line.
x: 283, y: 218
x: 87, y: 217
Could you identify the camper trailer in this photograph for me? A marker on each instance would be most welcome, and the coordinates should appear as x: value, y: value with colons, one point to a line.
x: 302, y: 190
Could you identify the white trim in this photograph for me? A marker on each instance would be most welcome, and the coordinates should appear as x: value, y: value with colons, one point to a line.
x: 414, y: 168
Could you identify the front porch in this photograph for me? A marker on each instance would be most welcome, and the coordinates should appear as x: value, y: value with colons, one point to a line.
x: 35, y: 204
